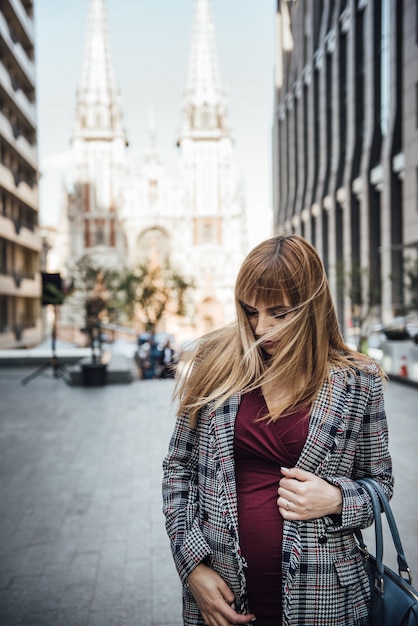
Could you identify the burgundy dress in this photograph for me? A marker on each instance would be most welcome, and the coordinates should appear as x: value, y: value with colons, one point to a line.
x: 260, y: 450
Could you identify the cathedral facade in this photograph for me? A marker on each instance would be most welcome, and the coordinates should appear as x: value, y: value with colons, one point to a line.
x: 123, y: 214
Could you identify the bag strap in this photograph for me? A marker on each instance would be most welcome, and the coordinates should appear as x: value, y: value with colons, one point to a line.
x: 378, y: 580
x: 379, y: 502
x: 384, y: 502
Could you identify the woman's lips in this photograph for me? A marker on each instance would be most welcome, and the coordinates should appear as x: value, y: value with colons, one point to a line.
x: 268, y: 344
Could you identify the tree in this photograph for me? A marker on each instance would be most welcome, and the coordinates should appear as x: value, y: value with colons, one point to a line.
x: 364, y: 295
x: 153, y: 289
x: 95, y: 291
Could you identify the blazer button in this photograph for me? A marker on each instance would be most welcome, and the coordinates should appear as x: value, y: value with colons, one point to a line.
x: 323, y: 539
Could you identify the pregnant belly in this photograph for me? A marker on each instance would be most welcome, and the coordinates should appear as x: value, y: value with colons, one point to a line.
x: 260, y: 529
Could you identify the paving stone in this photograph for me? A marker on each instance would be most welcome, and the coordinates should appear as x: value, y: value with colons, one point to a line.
x: 82, y: 536
x: 81, y: 489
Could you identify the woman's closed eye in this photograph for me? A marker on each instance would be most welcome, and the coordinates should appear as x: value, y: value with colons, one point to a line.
x: 250, y: 312
x: 282, y: 313
x: 277, y: 312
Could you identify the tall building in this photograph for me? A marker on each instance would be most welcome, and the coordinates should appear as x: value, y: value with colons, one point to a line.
x: 346, y: 146
x: 99, y: 153
x: 20, y: 241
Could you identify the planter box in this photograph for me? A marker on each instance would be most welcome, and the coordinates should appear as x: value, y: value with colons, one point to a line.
x: 94, y: 374
x: 397, y: 335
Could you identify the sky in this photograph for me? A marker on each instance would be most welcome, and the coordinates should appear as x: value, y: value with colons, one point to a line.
x: 150, y: 43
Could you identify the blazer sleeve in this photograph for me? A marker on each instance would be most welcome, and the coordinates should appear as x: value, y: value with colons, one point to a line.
x: 372, y: 458
x: 181, y: 501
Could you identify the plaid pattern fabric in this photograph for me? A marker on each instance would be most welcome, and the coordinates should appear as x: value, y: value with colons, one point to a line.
x: 324, y: 582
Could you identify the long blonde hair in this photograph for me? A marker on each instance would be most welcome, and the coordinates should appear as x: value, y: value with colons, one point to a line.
x: 230, y: 360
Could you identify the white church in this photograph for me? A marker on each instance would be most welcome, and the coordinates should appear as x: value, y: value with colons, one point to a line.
x: 123, y: 215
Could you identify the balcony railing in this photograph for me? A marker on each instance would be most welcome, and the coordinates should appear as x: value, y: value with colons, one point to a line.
x: 14, y: 134
x: 20, y: 99
x: 24, y: 19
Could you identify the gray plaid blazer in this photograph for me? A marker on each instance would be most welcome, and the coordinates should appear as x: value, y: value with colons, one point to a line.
x: 324, y: 582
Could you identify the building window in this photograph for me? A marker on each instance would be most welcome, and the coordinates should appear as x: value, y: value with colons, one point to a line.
x: 416, y: 191
x: 112, y: 234
x: 3, y: 256
x: 306, y: 159
x: 100, y: 236
x: 4, y: 317
x: 3, y: 203
x: 30, y: 312
x: 207, y: 231
x: 416, y: 21
x: 416, y: 103
x: 153, y: 191
x: 385, y: 68
x: 87, y: 236
x: 208, y: 234
x: 86, y: 192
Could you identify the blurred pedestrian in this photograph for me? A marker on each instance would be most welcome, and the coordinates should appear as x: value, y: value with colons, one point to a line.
x: 155, y: 356
x: 143, y: 360
x: 277, y: 418
x: 168, y: 361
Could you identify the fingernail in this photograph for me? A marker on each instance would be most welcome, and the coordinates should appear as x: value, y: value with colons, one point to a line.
x: 284, y: 469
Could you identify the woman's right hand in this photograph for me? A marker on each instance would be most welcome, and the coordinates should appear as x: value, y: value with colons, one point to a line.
x: 214, y: 598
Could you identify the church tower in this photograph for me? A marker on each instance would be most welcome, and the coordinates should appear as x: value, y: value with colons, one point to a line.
x: 99, y: 151
x: 214, y: 226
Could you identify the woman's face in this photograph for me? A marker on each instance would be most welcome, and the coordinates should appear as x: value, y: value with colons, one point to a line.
x: 264, y: 318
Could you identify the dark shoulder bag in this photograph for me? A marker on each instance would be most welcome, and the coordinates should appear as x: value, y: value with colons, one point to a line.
x: 394, y: 601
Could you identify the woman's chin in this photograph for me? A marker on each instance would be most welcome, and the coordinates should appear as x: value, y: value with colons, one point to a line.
x: 269, y: 347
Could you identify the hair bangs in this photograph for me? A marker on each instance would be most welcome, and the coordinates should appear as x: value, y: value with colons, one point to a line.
x: 262, y: 280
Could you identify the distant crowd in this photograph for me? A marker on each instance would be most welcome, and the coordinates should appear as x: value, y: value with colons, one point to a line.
x: 155, y: 357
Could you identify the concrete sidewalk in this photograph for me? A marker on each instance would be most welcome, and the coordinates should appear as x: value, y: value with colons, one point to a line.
x: 82, y: 537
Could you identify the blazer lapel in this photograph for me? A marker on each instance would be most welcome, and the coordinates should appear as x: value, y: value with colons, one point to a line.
x: 223, y: 430
x: 326, y: 422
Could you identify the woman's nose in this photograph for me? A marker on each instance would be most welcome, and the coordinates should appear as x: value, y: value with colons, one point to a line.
x: 263, y: 325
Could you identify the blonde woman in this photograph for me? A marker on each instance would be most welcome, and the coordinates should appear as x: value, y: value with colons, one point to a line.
x: 277, y: 419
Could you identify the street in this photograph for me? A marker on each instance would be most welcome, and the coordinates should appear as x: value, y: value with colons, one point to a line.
x: 402, y: 412
x: 82, y: 538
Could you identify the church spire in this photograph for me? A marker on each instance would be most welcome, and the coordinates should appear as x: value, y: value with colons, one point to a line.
x: 204, y: 107
x: 99, y: 152
x: 98, y: 108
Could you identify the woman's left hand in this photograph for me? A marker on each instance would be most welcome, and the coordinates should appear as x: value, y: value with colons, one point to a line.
x: 303, y: 495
